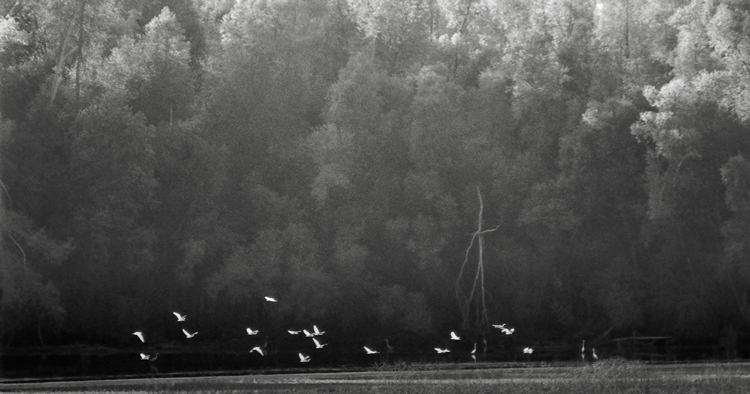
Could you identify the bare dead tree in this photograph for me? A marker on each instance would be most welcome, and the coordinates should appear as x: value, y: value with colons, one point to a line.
x: 63, y: 54
x: 3, y: 212
x: 481, y: 320
x: 79, y: 58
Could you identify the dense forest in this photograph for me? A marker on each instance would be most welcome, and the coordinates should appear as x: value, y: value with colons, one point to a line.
x: 384, y: 168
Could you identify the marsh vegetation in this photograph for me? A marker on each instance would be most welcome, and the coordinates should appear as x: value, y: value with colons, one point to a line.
x: 614, y: 376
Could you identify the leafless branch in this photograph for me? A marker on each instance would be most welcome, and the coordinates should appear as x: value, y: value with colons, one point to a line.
x: 61, y: 60
x: 478, y: 283
x: 23, y: 253
x: 12, y: 6
x: 10, y: 200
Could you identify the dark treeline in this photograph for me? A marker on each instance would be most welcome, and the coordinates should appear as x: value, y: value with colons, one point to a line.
x: 162, y: 155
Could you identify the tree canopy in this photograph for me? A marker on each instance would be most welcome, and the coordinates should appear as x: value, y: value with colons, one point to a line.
x: 201, y: 154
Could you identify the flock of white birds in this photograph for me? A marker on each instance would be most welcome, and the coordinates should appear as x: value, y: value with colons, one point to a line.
x: 316, y: 332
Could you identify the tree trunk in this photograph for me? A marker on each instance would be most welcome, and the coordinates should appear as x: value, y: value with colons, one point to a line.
x: 60, y: 61
x: 80, y: 53
x: 481, y: 321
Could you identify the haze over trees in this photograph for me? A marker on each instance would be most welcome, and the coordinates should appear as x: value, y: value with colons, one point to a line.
x: 161, y: 155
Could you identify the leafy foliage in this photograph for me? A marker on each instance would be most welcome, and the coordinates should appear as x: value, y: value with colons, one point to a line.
x: 161, y: 155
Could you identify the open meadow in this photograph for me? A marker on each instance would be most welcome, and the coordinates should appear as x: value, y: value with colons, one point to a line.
x: 602, y: 377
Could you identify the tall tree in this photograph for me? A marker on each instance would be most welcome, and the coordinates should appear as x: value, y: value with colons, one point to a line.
x: 693, y: 134
x: 153, y: 71
x: 112, y: 185
x: 400, y: 30
x: 736, y: 178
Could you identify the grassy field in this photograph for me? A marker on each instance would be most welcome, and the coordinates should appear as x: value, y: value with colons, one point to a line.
x: 602, y: 377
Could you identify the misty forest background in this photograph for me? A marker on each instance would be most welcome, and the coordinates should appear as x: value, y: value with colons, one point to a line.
x: 162, y: 155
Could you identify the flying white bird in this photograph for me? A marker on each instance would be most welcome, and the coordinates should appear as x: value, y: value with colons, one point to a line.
x: 454, y: 336
x: 257, y: 349
x: 145, y: 356
x: 441, y: 351
x: 303, y: 358
x: 308, y: 333
x: 528, y: 350
x: 370, y: 351
x: 140, y: 336
x: 250, y: 331
x: 316, y: 331
x: 271, y: 299
x: 319, y: 345
x: 501, y: 327
x: 474, y: 351
x: 293, y: 332
x: 179, y: 316
x: 189, y: 335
